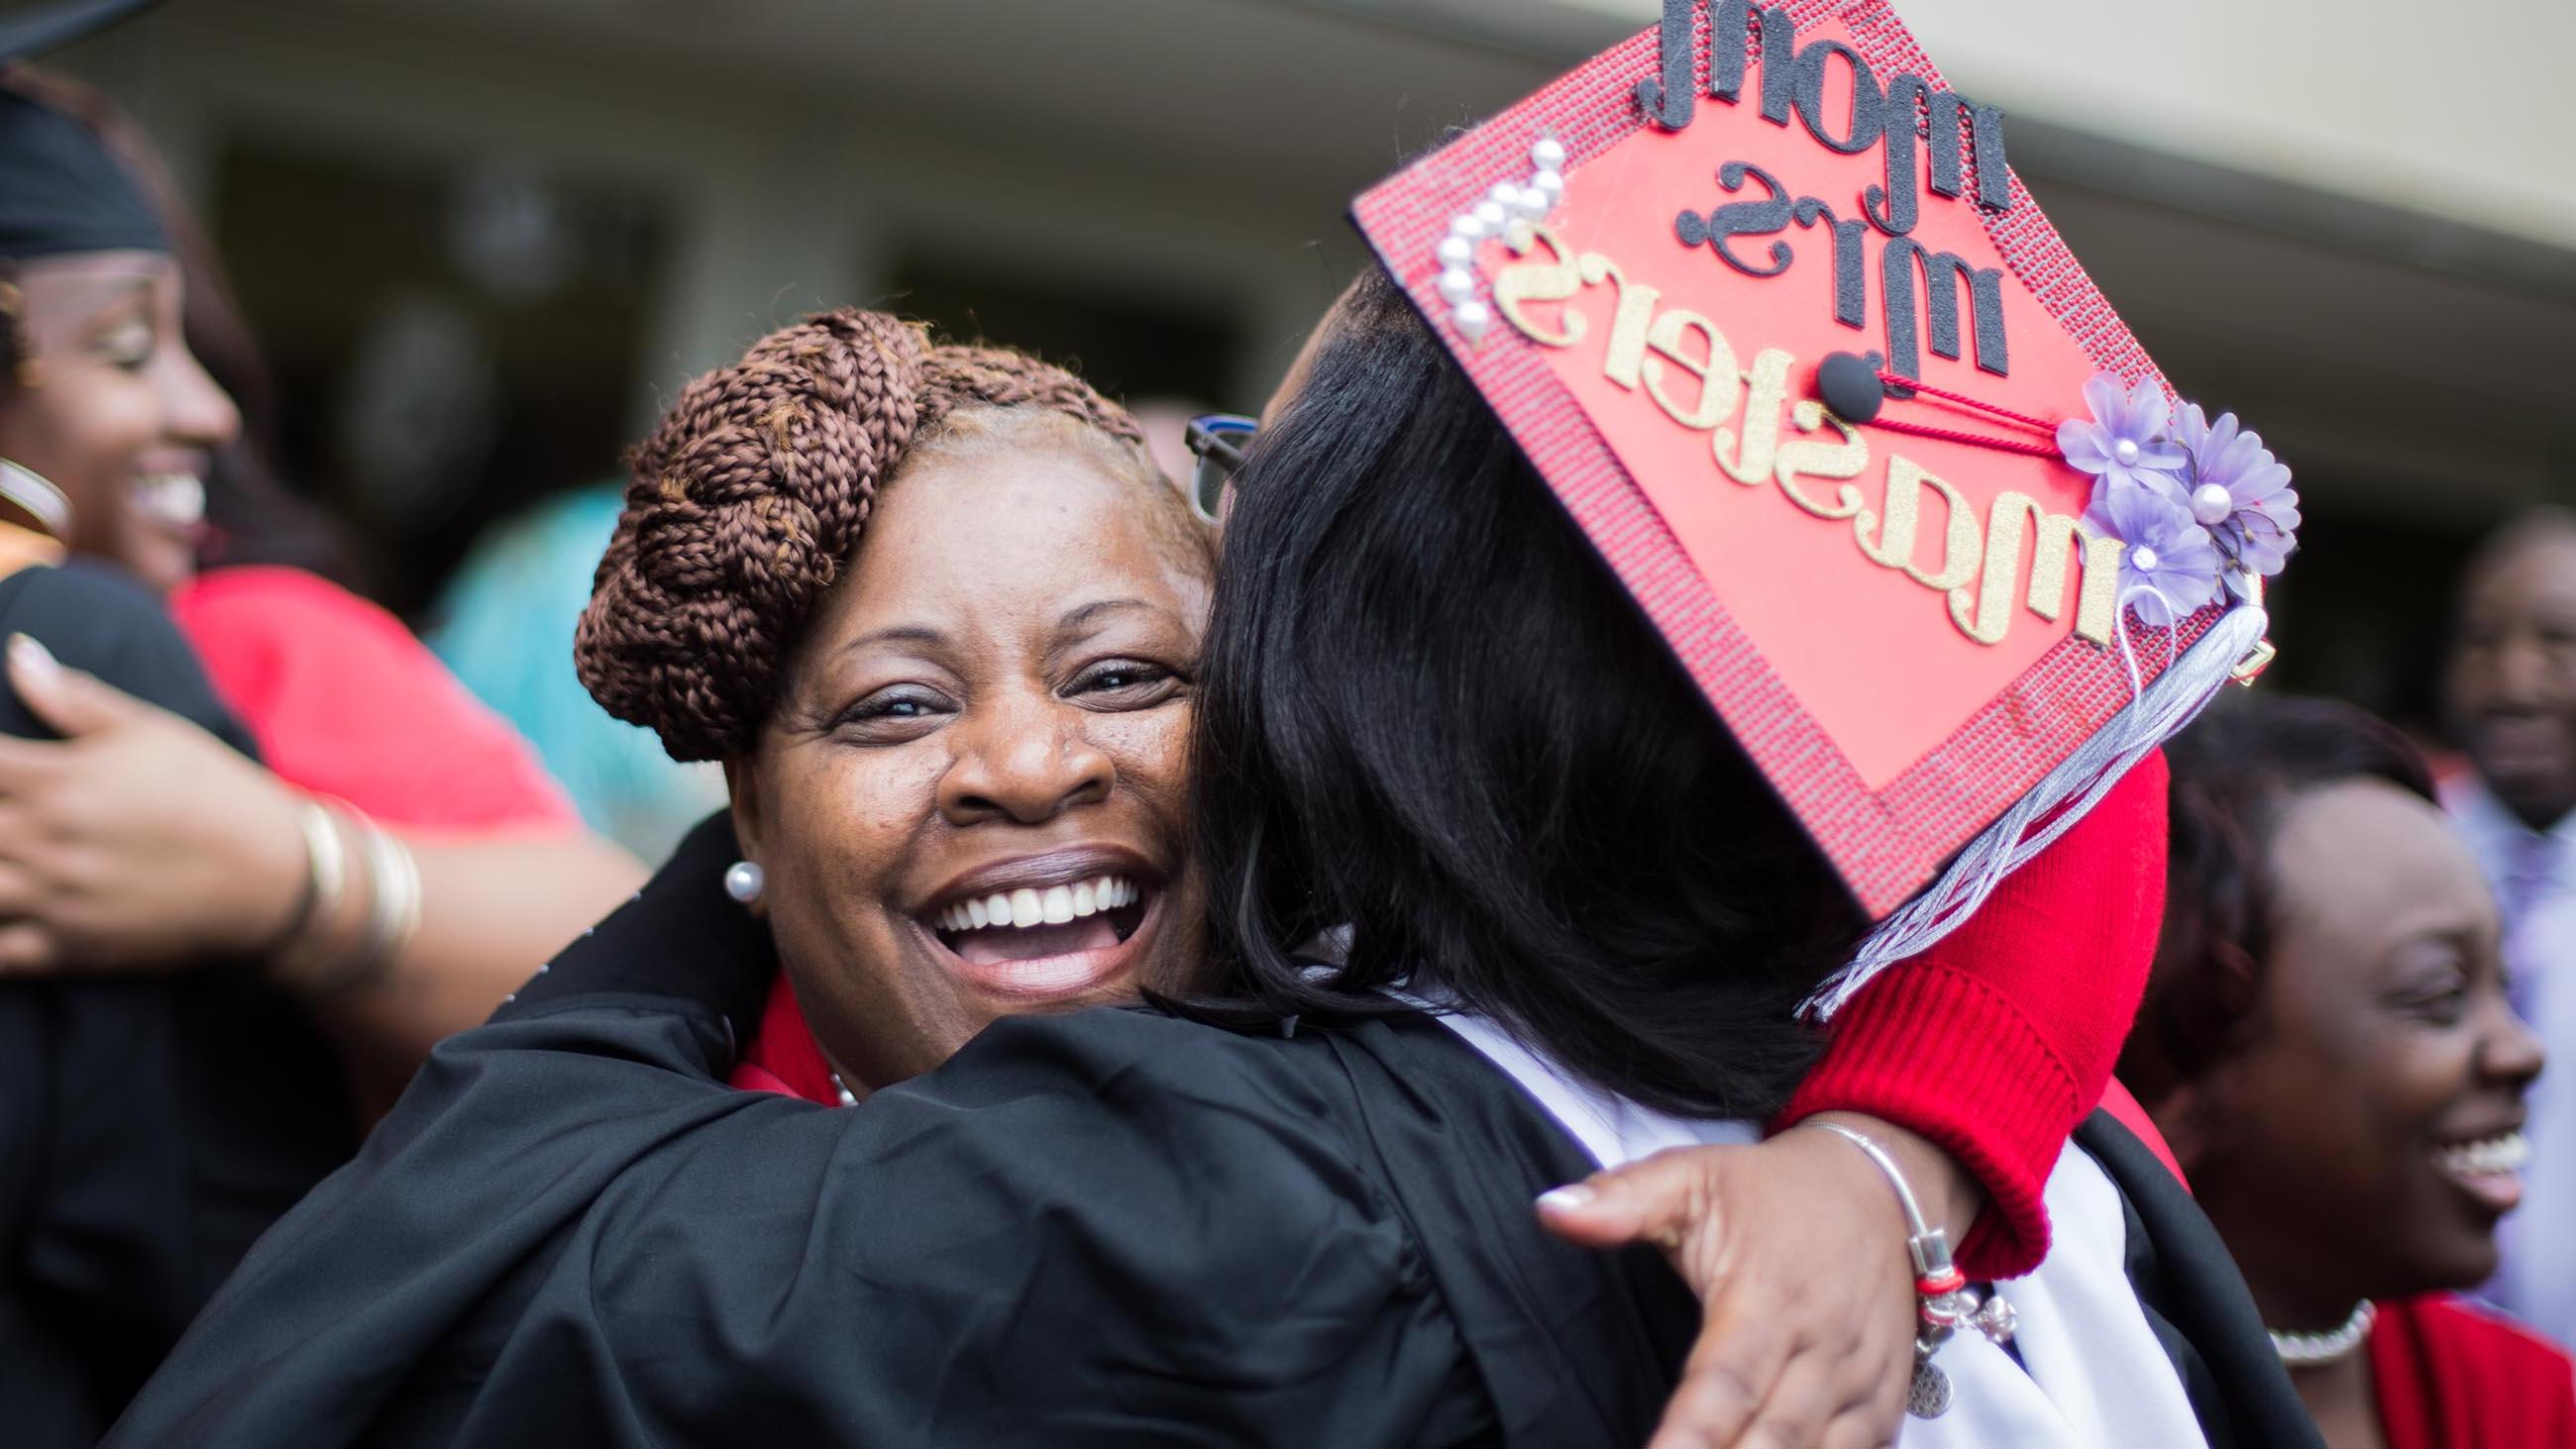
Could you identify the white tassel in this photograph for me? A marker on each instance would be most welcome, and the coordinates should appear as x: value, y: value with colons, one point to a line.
x: 2077, y: 784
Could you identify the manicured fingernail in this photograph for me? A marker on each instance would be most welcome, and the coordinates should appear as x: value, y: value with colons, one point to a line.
x: 32, y: 657
x: 1566, y: 1199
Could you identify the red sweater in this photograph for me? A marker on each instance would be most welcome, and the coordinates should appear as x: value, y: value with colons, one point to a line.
x: 1995, y: 1043
x: 2449, y: 1376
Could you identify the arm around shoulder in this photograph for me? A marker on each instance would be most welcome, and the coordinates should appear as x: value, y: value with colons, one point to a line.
x: 1995, y: 1043
x: 1109, y: 1228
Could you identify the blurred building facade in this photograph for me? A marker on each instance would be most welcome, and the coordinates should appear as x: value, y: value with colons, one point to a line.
x: 484, y: 239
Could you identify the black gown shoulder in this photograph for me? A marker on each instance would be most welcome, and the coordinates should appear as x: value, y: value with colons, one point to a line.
x: 1114, y: 1227
x: 102, y: 622
x: 150, y: 1127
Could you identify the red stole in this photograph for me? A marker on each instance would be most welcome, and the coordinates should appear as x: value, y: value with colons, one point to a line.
x: 782, y: 1056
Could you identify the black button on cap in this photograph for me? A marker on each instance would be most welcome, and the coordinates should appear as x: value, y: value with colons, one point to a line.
x: 1849, y: 385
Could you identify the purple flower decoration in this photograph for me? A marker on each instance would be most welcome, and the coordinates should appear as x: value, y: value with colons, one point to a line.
x: 2125, y: 444
x: 2239, y: 492
x: 2170, y: 568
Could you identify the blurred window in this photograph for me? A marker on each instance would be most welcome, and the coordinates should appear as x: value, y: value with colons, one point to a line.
x: 451, y: 340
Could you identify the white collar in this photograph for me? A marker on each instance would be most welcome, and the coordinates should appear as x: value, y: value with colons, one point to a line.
x: 2098, y: 1378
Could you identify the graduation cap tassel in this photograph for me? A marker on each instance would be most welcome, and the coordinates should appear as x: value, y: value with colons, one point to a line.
x: 2060, y: 799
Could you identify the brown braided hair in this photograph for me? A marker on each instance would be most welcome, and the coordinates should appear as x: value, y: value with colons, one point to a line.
x: 744, y: 502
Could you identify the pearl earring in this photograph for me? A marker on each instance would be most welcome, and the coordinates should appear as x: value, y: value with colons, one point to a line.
x: 743, y: 881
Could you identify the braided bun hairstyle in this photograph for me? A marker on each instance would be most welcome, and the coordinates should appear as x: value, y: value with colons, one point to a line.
x: 755, y: 487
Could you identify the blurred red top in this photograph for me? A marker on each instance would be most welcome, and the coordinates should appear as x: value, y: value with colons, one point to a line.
x: 2449, y: 1374
x: 345, y: 702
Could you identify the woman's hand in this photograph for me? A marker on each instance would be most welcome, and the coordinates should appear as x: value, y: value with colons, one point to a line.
x: 138, y: 840
x: 1796, y: 1248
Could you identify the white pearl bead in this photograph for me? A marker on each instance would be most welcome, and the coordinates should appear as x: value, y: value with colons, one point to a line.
x: 743, y: 880
x: 1491, y: 214
x: 2126, y: 450
x: 2143, y: 559
x: 1548, y: 154
x: 1472, y: 319
x: 1550, y: 185
x: 1457, y: 285
x: 2211, y: 503
x: 1455, y: 251
x: 1534, y: 204
x: 1468, y: 225
x: 1505, y: 195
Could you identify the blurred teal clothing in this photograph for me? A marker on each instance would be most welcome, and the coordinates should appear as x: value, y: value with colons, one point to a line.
x: 505, y: 626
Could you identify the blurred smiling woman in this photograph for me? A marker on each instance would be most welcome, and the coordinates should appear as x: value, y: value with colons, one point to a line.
x: 2327, y: 1044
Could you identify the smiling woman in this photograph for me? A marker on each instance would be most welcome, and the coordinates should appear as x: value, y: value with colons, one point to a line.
x: 957, y: 753
x: 974, y: 780
x: 2328, y: 1045
x: 125, y: 420
x: 274, y: 961
x: 143, y: 845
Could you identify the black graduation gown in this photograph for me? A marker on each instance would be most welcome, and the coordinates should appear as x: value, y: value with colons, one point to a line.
x: 150, y: 1127
x: 1115, y: 1227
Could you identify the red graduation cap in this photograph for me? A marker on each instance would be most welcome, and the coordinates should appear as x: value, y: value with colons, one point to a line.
x: 1760, y: 297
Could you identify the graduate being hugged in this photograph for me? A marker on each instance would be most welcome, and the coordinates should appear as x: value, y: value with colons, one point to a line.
x: 1600, y: 690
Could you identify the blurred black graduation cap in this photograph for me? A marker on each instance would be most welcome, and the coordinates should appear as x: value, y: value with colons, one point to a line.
x: 28, y: 31
x: 60, y: 189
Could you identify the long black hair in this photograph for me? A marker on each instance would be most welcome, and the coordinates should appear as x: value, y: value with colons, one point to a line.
x: 1430, y: 715
x: 2235, y: 774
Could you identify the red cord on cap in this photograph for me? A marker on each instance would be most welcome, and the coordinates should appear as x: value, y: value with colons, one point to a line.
x: 2036, y: 425
x: 1975, y: 440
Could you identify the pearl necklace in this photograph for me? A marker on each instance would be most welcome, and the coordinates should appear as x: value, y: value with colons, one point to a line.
x: 2315, y: 1350
x: 848, y: 1097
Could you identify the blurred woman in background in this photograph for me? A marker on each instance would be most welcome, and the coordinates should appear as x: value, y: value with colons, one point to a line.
x: 407, y: 862
x: 186, y: 933
x: 2327, y: 1046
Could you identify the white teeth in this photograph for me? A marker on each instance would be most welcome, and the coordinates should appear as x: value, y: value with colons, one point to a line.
x: 2507, y: 1153
x: 175, y: 498
x: 1053, y: 906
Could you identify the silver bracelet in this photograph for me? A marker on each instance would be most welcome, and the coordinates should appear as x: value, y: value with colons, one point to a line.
x: 1943, y: 1299
x: 324, y: 874
x: 395, y: 911
x: 393, y: 908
